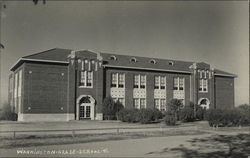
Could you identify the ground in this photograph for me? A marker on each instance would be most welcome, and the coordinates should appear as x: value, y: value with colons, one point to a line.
x: 188, y: 141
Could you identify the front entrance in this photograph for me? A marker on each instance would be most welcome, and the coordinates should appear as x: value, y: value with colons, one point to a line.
x: 84, y: 111
x: 85, y: 108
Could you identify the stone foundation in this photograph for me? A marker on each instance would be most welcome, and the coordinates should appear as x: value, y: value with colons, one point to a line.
x: 45, y: 117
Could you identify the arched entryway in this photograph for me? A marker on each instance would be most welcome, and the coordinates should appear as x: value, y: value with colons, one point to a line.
x: 204, y: 102
x: 85, y: 107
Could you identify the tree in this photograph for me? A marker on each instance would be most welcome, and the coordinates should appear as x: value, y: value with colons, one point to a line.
x: 108, y: 107
x: 111, y: 108
x: 174, y: 106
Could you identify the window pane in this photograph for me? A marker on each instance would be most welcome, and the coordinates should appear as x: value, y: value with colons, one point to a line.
x: 136, y: 103
x: 136, y: 81
x: 175, y: 83
x: 121, y: 80
x: 163, y: 82
x: 82, y: 79
x: 163, y: 105
x: 143, y: 103
x: 89, y: 78
x: 143, y: 81
x: 181, y: 83
x: 205, y: 85
x: 157, y: 82
x: 114, y: 80
x: 200, y: 85
x: 157, y: 104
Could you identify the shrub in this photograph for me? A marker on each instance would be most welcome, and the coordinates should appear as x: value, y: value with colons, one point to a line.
x: 111, y: 108
x: 143, y: 115
x: 187, y: 114
x: 228, y: 117
x: 129, y: 115
x: 170, y: 118
x: 200, y: 113
x: 7, y: 114
x: 174, y: 106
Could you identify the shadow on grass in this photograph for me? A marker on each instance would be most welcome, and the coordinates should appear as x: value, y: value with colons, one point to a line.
x: 217, y: 146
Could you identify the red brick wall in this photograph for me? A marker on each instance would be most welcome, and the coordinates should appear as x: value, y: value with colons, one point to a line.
x: 224, y: 92
x: 45, y: 88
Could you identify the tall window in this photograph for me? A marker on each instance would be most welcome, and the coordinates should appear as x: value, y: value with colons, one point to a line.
x: 118, y: 80
x: 160, y: 82
x: 140, y: 81
x: 203, y: 85
x: 179, y: 83
x: 86, y: 79
x: 139, y: 103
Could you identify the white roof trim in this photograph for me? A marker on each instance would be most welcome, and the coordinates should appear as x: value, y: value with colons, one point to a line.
x: 39, y: 60
x: 225, y: 75
x: 128, y: 67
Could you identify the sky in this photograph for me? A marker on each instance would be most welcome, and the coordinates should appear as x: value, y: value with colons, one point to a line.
x: 214, y: 32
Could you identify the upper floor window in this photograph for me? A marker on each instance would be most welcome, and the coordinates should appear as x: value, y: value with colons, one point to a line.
x: 203, y: 85
x: 140, y: 81
x: 118, y: 80
x: 160, y: 82
x: 179, y: 83
x: 86, y: 79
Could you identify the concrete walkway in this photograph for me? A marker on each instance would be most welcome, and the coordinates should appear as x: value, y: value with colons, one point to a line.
x: 146, y: 147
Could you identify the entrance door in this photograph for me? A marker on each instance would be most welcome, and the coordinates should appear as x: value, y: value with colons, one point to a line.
x: 85, y: 108
x: 84, y: 111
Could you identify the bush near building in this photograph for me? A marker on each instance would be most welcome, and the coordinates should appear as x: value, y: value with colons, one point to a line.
x: 111, y: 108
x: 140, y: 115
x: 7, y: 114
x: 238, y: 116
x: 176, y: 111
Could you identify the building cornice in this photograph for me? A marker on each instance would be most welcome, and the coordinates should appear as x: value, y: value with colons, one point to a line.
x: 225, y: 75
x: 38, y: 60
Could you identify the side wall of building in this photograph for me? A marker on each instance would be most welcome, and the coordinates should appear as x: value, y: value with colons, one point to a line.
x: 224, y: 92
x: 45, y: 87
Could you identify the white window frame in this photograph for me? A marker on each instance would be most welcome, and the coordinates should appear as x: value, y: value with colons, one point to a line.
x: 203, y: 84
x: 158, y: 104
x: 159, y: 82
x: 116, y: 74
x: 178, y: 83
x: 86, y: 79
x: 139, y: 81
x: 139, y: 102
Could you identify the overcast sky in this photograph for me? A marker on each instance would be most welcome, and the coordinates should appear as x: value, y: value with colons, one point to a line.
x: 212, y: 32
